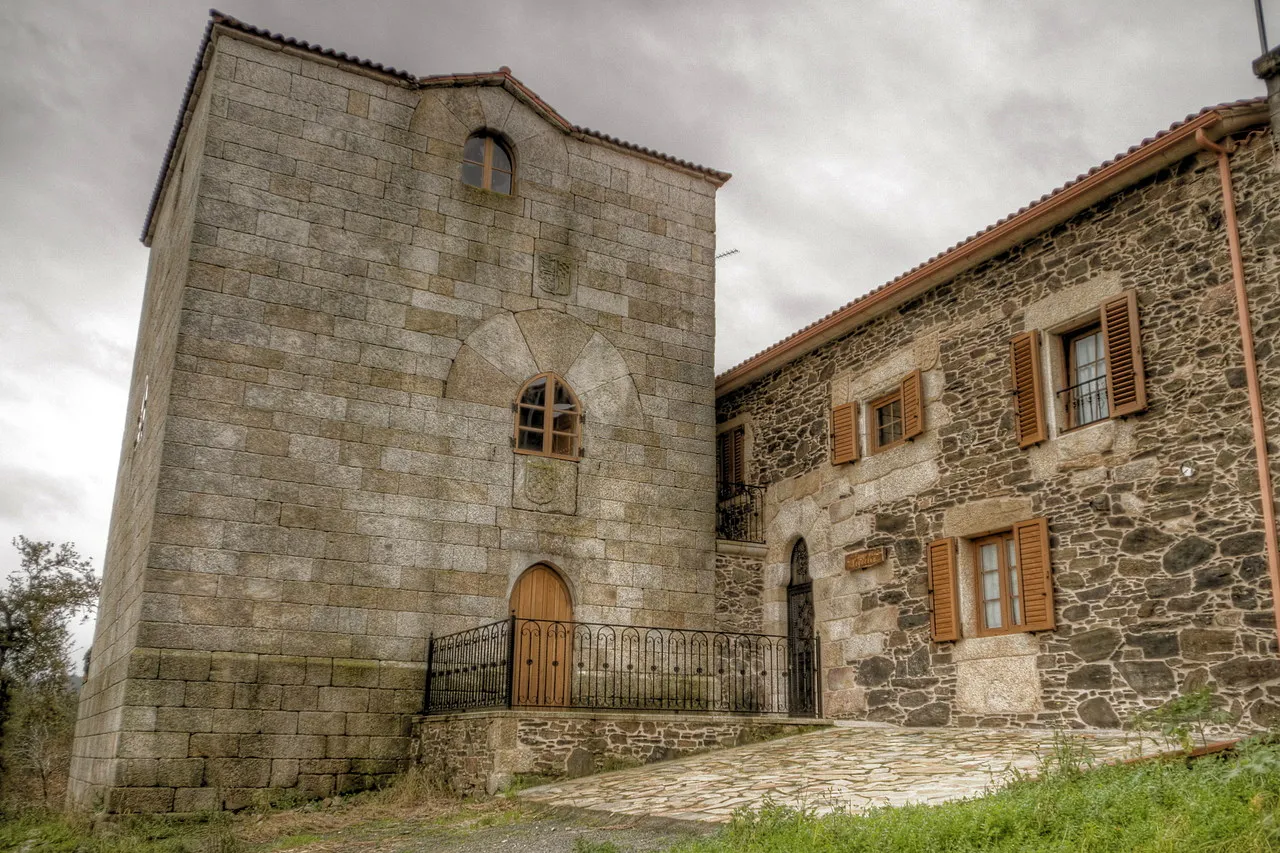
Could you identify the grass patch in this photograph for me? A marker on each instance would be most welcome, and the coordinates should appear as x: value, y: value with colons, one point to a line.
x: 1215, y: 804
x: 411, y: 803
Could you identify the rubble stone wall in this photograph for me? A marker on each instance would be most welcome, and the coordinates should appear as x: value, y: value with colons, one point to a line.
x: 739, y: 584
x: 481, y: 751
x: 1159, y: 575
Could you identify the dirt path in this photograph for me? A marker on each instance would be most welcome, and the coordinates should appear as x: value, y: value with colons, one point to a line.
x: 514, y: 831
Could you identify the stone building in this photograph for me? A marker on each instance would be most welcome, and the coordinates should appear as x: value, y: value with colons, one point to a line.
x: 402, y: 340
x: 416, y: 352
x: 1017, y: 485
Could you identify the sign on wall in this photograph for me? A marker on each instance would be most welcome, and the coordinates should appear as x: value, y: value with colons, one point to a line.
x: 864, y: 559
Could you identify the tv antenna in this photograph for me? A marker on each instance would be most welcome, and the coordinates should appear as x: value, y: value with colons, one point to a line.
x: 726, y: 254
x: 1262, y: 26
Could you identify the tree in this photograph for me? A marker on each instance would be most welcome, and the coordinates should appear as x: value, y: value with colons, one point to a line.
x: 52, y: 585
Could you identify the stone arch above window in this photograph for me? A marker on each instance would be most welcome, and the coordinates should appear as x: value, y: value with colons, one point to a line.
x: 499, y: 356
x: 548, y: 418
x: 800, y: 563
x: 487, y: 163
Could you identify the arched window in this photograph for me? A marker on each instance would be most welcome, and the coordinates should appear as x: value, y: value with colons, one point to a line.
x: 548, y: 418
x: 486, y: 163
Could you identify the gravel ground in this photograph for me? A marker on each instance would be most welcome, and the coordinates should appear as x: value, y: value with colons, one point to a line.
x: 522, y: 832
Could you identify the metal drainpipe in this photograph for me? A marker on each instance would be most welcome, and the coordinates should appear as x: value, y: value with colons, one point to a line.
x: 1250, y: 369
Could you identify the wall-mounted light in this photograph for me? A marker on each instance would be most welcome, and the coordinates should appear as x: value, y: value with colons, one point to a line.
x: 1188, y: 469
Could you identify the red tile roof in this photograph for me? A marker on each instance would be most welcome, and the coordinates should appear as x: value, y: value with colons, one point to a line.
x: 1021, y: 224
x: 501, y: 77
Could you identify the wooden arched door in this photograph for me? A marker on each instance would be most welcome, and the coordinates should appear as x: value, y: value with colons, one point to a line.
x: 544, y: 628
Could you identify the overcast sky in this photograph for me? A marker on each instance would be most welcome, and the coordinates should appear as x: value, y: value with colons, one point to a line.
x: 864, y: 137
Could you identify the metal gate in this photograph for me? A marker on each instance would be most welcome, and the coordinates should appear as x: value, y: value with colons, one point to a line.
x: 801, y: 653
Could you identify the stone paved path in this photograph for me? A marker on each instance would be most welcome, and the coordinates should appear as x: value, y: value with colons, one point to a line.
x: 851, y: 767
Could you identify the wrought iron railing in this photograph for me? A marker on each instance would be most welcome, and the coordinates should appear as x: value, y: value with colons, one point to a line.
x: 533, y: 663
x: 740, y: 512
x: 1085, y: 402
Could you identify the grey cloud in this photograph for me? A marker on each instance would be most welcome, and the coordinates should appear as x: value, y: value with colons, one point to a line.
x: 864, y: 138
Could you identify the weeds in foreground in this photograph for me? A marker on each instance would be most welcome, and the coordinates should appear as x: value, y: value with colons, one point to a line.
x: 583, y: 845
x: 1178, y: 723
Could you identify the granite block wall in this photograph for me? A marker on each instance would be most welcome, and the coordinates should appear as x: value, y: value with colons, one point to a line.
x: 335, y: 330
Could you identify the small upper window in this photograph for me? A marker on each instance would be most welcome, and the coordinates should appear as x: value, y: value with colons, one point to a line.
x: 486, y: 163
x: 1085, y: 396
x: 886, y: 421
x: 548, y: 418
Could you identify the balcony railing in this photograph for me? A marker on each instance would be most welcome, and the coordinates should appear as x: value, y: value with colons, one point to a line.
x: 1085, y: 402
x: 532, y: 663
x: 740, y: 512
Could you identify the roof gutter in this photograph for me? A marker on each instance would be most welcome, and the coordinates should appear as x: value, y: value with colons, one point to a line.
x: 1057, y: 208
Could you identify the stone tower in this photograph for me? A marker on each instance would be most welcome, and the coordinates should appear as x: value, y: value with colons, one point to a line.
x: 321, y: 465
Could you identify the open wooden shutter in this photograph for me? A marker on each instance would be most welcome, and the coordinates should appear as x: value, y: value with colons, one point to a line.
x: 944, y: 596
x: 1126, y: 384
x: 1031, y: 541
x: 844, y: 433
x: 1028, y: 389
x: 912, y: 405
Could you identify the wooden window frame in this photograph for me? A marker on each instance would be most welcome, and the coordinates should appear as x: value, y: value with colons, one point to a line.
x: 548, y: 430
x: 1005, y: 540
x: 486, y: 164
x: 1090, y: 326
x: 873, y: 421
x: 1033, y: 550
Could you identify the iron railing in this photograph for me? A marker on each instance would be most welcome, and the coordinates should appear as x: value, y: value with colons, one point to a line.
x: 534, y: 663
x: 1085, y: 402
x: 740, y: 512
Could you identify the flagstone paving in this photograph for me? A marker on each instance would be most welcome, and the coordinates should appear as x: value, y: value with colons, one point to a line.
x: 850, y: 767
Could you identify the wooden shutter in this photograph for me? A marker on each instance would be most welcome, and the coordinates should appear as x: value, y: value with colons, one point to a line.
x: 912, y: 405
x: 1028, y: 389
x: 1126, y: 385
x: 844, y: 434
x: 1031, y: 541
x: 944, y: 595
x: 731, y: 456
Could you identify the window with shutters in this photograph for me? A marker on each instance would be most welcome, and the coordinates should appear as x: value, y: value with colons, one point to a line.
x: 548, y: 418
x: 1096, y: 362
x: 897, y: 416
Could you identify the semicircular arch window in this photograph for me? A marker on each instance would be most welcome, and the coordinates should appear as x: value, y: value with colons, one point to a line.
x: 486, y: 163
x: 548, y: 418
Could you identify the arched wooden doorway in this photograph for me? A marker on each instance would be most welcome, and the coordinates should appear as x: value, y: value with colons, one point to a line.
x: 543, y: 614
x: 801, y: 701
